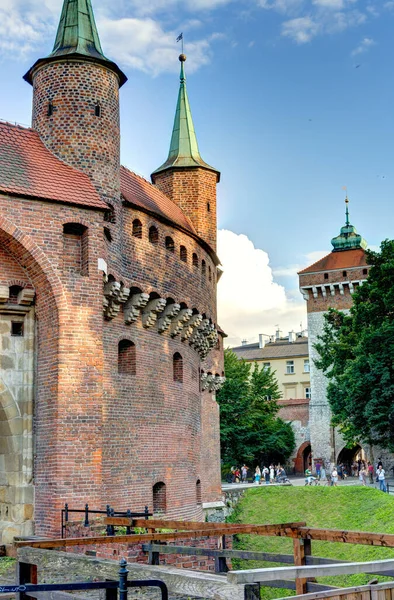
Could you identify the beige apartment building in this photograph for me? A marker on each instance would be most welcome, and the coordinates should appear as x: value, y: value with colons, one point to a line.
x: 287, y: 356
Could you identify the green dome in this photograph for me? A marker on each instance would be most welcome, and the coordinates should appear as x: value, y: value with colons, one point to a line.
x: 348, y: 239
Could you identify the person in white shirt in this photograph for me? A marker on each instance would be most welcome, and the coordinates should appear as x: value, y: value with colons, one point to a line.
x: 381, y: 478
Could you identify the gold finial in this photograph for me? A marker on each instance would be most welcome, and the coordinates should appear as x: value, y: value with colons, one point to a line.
x: 182, y: 57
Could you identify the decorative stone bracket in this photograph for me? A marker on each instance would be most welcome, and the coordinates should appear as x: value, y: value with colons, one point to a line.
x: 200, y: 333
x: 212, y: 383
x: 331, y: 288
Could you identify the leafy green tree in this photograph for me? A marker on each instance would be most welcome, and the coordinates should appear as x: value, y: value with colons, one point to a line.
x: 250, y: 431
x: 357, y: 355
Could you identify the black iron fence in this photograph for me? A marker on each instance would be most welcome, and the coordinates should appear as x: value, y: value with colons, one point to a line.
x: 109, y: 512
x: 29, y: 590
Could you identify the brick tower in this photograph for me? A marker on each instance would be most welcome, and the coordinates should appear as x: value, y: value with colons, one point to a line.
x: 330, y: 283
x: 76, y: 100
x: 185, y: 177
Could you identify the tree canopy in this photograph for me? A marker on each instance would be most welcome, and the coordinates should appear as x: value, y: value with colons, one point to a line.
x: 250, y: 431
x: 357, y: 355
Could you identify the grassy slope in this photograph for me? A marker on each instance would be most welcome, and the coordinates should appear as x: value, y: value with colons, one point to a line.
x: 356, y: 508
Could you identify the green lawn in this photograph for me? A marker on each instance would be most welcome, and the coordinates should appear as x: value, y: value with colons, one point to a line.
x: 355, y: 508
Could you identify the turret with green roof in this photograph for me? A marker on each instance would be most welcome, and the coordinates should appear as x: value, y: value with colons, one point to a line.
x: 77, y: 37
x: 184, y: 152
x: 348, y: 239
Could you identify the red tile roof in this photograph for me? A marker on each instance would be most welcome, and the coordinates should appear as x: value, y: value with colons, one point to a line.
x: 138, y: 191
x: 345, y: 259
x: 27, y: 168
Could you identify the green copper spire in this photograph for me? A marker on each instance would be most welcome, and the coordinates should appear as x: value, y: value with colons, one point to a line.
x: 184, y: 152
x: 77, y: 36
x: 77, y: 31
x: 348, y: 239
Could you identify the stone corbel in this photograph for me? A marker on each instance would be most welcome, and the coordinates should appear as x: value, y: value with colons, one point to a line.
x: 314, y: 291
x: 114, y: 295
x: 4, y: 293
x: 190, y: 326
x: 178, y: 323
x: 152, y: 309
x: 305, y: 293
x: 204, y: 381
x: 324, y: 291
x: 351, y: 287
x: 332, y: 289
x: 166, y: 318
x: 133, y: 307
x: 26, y: 297
x: 341, y: 290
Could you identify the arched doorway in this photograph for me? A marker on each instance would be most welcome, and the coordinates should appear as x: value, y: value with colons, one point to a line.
x: 348, y: 456
x: 303, y: 459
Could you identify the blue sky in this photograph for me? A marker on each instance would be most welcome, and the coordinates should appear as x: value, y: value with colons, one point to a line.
x: 292, y: 100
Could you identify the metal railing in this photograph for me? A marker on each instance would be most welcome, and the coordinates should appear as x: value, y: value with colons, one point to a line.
x: 108, y: 512
x: 29, y: 590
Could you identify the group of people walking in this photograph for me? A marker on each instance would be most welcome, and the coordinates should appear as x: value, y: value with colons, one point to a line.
x: 361, y: 469
x: 271, y: 474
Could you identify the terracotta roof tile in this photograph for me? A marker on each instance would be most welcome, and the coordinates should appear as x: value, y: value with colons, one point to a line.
x: 28, y: 168
x: 338, y: 260
x: 138, y: 191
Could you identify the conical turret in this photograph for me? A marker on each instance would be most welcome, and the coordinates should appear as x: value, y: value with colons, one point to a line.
x: 184, y: 152
x: 185, y: 177
x: 77, y: 36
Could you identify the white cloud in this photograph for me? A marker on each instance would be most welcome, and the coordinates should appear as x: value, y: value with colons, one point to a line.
x: 249, y: 300
x: 301, y: 30
x: 144, y: 8
x: 335, y: 4
x: 364, y: 46
x: 143, y: 44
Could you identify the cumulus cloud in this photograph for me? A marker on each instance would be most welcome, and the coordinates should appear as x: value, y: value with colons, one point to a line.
x: 363, y: 47
x: 301, y: 30
x: 249, y: 300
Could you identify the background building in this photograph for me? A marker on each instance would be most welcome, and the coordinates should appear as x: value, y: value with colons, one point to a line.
x: 288, y: 358
x: 330, y: 283
x: 110, y: 354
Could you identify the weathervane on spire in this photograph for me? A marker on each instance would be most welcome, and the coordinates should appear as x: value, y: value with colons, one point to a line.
x: 180, y: 39
x: 347, y: 207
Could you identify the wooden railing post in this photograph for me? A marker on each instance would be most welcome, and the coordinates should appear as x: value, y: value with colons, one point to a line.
x: 302, y: 548
x: 220, y: 561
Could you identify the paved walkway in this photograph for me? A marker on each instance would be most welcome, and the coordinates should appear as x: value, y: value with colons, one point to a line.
x: 300, y: 481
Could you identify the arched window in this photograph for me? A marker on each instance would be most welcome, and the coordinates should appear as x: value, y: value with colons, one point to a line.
x: 183, y: 253
x: 170, y: 246
x: 177, y: 364
x: 127, y: 363
x: 209, y: 273
x: 208, y: 207
x: 153, y: 235
x: 137, y: 228
x: 203, y: 268
x: 75, y: 249
x: 107, y: 234
x: 159, y: 497
x: 195, y: 260
x: 14, y: 291
x: 198, y: 492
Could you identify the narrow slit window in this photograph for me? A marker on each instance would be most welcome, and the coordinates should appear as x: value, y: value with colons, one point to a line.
x: 137, y: 228
x: 178, y: 367
x: 183, y: 254
x: 153, y: 235
x: 170, y: 246
x: 17, y: 328
x: 50, y: 109
x: 97, y: 110
x: 195, y: 260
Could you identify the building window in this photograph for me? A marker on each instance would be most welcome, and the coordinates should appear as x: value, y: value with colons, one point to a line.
x: 107, y: 234
x: 198, y: 492
x: 177, y: 366
x: 183, y: 254
x: 127, y: 358
x: 137, y: 228
x: 306, y: 366
x: 17, y: 328
x: 97, y: 110
x: 209, y: 273
x: 195, y: 260
x: 153, y: 235
x: 75, y: 249
x: 159, y: 497
x: 14, y: 292
x: 50, y: 109
x: 325, y: 275
x: 344, y: 273
x: 268, y: 398
x: 203, y: 268
x: 109, y: 215
x: 365, y: 271
x: 170, y: 246
x: 308, y: 394
x: 208, y: 207
x: 290, y: 367
x: 266, y: 366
